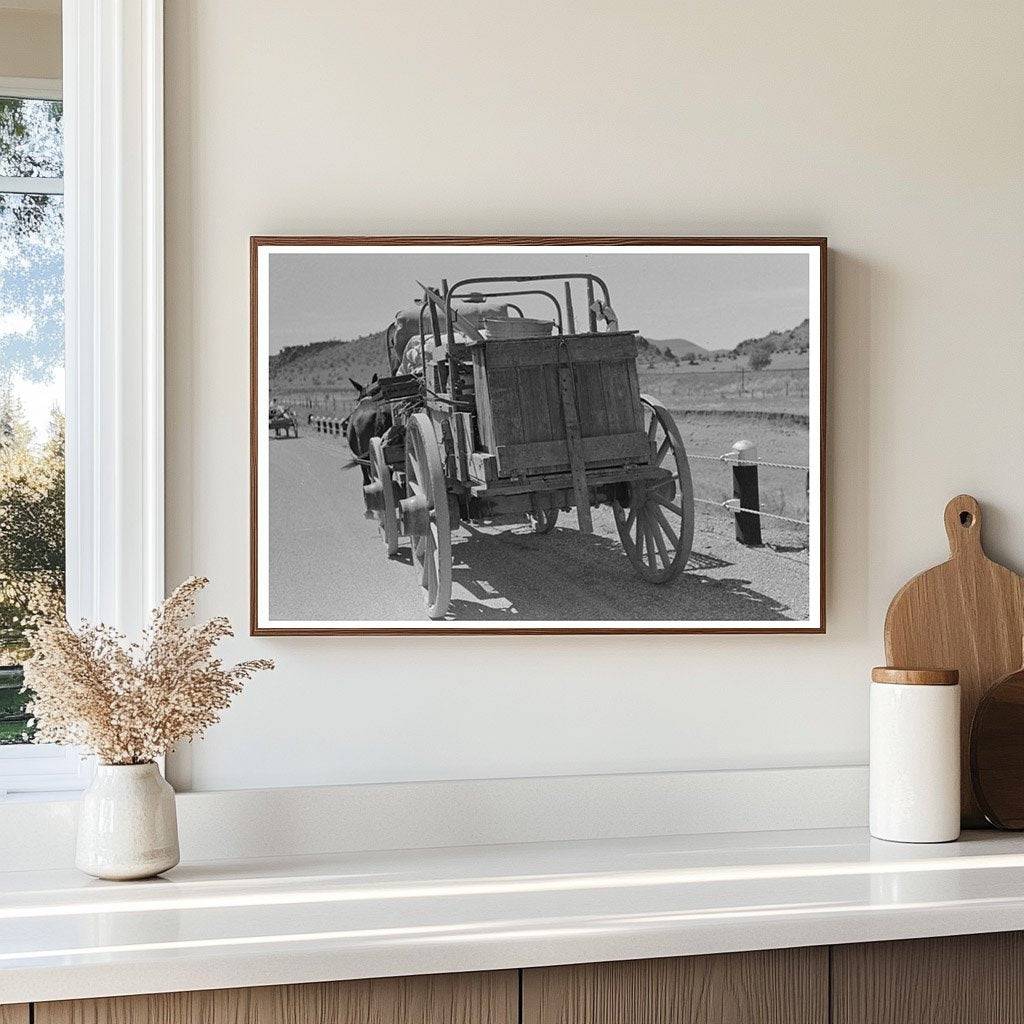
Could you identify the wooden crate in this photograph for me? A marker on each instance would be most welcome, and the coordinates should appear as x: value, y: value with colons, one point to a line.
x: 519, y: 398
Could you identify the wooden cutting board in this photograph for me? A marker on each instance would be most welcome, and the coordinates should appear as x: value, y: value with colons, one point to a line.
x: 967, y: 614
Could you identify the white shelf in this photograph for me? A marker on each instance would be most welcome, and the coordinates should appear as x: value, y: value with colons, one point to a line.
x: 351, y: 915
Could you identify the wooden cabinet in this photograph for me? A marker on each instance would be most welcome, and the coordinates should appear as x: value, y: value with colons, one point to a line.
x: 777, y: 986
x: 963, y: 979
x: 490, y: 998
x: 971, y: 979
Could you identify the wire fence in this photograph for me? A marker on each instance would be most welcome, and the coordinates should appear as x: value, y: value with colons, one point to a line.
x: 746, y: 486
x: 733, y: 505
x: 731, y: 455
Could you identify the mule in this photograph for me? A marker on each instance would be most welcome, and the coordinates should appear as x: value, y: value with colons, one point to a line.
x: 368, y: 419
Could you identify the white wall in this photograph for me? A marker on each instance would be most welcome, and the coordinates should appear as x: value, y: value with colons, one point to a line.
x: 895, y: 129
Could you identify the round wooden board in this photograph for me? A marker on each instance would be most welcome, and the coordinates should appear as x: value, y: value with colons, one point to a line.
x: 997, y: 753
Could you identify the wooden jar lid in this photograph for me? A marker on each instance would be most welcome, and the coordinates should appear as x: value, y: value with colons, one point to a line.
x: 916, y: 676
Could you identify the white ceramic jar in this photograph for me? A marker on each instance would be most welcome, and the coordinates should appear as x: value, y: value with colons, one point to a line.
x: 915, y: 755
x: 127, y: 824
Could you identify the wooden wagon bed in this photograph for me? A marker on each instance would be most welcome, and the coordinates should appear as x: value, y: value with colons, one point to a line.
x: 523, y: 388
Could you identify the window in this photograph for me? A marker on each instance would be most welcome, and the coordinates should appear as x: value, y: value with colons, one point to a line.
x: 32, y: 514
x: 91, y: 171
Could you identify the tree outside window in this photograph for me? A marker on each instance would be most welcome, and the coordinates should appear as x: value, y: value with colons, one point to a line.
x: 31, y: 386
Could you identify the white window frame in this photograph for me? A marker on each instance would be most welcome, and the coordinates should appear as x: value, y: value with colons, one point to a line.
x: 32, y: 88
x: 114, y: 325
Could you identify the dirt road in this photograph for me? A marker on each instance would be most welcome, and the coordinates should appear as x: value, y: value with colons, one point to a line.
x: 328, y: 563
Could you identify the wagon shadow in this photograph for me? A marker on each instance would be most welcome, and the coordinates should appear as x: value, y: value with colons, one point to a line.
x: 567, y: 575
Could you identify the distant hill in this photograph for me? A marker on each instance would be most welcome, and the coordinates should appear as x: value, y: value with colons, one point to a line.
x: 665, y: 354
x: 328, y: 364
x: 795, y: 340
x: 680, y: 347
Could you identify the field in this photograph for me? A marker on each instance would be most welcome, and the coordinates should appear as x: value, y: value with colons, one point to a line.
x: 783, y: 491
x: 767, y: 393
x: 714, y: 409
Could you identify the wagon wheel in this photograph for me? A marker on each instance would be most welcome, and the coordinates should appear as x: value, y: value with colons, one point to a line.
x: 657, y: 531
x: 387, y: 517
x: 426, y: 514
x: 544, y: 522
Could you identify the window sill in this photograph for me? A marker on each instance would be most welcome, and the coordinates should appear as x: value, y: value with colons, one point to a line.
x: 44, y: 771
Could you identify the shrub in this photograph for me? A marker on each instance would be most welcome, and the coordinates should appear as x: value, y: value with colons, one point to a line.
x: 761, y: 355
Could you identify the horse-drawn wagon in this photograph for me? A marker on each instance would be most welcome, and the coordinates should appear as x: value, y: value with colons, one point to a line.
x: 283, y: 421
x: 495, y: 417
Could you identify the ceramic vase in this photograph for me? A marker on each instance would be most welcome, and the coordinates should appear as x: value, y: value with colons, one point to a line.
x: 127, y: 825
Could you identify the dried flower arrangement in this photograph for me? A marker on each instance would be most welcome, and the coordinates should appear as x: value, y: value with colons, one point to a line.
x: 129, y: 703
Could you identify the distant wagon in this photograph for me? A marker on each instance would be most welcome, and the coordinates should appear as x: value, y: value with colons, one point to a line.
x: 283, y: 421
x: 497, y: 417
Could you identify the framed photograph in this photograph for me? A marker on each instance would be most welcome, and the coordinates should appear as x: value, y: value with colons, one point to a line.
x: 537, y: 435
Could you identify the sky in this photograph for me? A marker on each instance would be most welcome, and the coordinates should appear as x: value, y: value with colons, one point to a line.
x: 31, y: 332
x: 31, y: 268
x: 38, y: 400
x: 714, y: 299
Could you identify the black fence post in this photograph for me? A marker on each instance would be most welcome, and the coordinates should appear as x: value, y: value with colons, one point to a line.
x: 746, y: 494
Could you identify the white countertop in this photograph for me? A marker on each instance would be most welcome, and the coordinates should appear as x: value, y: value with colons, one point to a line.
x: 262, y: 922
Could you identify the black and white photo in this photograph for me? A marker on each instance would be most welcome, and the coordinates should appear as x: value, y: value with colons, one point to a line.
x: 539, y: 435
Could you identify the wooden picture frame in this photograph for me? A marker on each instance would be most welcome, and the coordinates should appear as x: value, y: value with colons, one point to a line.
x: 457, y: 353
